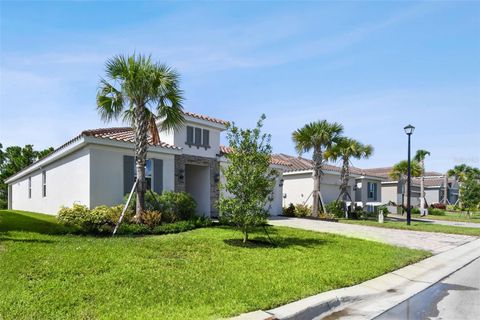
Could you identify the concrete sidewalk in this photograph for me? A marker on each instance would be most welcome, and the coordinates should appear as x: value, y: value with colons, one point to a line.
x: 430, y: 241
x: 371, y: 298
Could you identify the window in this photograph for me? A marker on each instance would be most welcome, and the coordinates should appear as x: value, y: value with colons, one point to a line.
x: 189, y: 135
x: 29, y: 187
x: 148, y: 173
x: 44, y: 183
x: 206, y: 138
x: 372, y: 191
x: 198, y: 137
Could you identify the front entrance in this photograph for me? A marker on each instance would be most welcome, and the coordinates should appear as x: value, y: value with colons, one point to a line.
x: 197, y: 183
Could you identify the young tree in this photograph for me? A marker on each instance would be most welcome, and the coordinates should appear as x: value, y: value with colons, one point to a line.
x: 345, y: 149
x: 317, y: 136
x: 249, y: 179
x: 399, y: 172
x: 14, y: 159
x: 140, y: 90
x: 470, y: 194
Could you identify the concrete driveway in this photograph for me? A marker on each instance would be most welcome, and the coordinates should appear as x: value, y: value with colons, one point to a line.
x: 430, y: 241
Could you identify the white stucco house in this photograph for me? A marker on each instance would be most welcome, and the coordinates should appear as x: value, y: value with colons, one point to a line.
x: 97, y: 168
x: 434, y: 186
x: 298, y: 183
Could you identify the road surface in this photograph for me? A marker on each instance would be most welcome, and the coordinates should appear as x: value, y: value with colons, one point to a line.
x: 456, y: 297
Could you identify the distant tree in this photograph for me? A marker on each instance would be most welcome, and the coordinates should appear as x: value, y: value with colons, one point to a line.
x: 346, y: 149
x: 470, y: 194
x: 469, y: 179
x: 399, y: 172
x: 140, y: 90
x: 249, y: 179
x: 318, y: 137
x: 14, y: 159
x: 420, y: 156
x: 462, y: 171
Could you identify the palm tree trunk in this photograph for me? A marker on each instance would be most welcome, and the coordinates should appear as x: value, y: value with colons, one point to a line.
x: 317, y: 172
x: 141, y: 145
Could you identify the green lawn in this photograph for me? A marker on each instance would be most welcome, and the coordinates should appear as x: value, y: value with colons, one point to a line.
x: 417, y: 226
x: 452, y: 216
x: 200, y: 274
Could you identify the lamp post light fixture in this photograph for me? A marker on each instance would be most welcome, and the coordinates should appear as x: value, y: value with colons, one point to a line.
x: 409, y: 130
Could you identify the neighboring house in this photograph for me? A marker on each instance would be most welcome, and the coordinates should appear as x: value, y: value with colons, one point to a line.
x: 298, y: 183
x: 434, y: 185
x: 97, y: 167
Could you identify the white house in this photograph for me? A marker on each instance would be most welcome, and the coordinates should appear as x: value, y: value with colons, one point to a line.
x: 434, y: 185
x: 298, y: 183
x: 97, y: 168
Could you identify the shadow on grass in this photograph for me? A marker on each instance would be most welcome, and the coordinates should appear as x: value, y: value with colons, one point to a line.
x: 3, y: 238
x: 265, y: 242
x: 19, y: 221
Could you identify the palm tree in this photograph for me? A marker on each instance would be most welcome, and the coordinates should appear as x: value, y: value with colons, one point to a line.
x: 345, y: 149
x: 461, y: 172
x: 140, y: 90
x: 399, y: 172
x: 420, y: 156
x: 318, y: 136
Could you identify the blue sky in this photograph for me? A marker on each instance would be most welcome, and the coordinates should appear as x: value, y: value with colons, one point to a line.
x: 372, y: 66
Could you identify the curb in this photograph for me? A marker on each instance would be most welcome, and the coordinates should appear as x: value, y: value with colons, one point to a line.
x: 363, y: 300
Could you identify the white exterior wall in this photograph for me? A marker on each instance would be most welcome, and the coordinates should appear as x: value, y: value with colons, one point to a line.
x: 390, y: 193
x: 276, y: 206
x: 106, y: 165
x: 179, y: 137
x: 298, y: 187
x: 67, y: 183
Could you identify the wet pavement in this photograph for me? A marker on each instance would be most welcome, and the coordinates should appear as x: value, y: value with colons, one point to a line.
x: 455, y: 297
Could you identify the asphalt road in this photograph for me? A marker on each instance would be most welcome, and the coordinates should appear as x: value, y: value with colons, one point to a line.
x: 455, y: 297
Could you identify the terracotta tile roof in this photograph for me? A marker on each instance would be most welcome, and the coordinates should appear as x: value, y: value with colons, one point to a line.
x: 124, y: 134
x: 207, y: 118
x: 384, y: 172
x: 274, y: 160
x: 301, y: 164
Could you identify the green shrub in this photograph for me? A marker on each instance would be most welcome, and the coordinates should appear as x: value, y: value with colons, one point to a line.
x: 175, y: 227
x: 133, y: 229
x: 3, y: 204
x: 383, y: 209
x: 152, y: 201
x: 174, y: 206
x: 100, y: 220
x: 436, y: 212
x: 177, y: 206
x: 336, y: 209
x: 151, y: 218
x: 415, y: 210
x: 302, y: 210
x: 289, y: 211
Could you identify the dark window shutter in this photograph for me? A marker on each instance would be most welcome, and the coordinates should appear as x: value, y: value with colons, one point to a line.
x: 198, y: 136
x: 206, y: 137
x: 157, y: 175
x: 128, y: 171
x: 189, y: 135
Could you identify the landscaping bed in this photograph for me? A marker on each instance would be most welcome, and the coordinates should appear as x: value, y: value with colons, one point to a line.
x: 201, y: 274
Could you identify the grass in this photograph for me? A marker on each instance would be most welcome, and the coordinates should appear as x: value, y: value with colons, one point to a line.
x: 201, y: 274
x: 453, y: 216
x: 417, y: 226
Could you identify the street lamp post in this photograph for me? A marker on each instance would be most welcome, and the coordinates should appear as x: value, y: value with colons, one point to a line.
x: 409, y: 130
